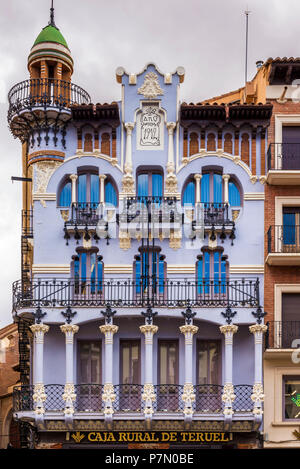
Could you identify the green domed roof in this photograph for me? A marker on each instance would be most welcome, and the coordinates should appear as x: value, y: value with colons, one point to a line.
x: 51, y: 34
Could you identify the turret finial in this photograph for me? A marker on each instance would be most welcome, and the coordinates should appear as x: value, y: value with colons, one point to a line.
x: 52, y: 22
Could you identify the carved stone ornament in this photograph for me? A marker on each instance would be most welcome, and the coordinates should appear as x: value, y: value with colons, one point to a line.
x: 258, y: 328
x: 69, y: 397
x: 108, y: 397
x: 43, y: 172
x: 171, y: 185
x: 125, y: 241
x: 39, y: 397
x: 148, y: 393
x: 228, y: 395
x: 128, y: 185
x: 148, y: 329
x: 258, y: 393
x: 150, y: 88
x: 188, y: 395
x: 175, y: 240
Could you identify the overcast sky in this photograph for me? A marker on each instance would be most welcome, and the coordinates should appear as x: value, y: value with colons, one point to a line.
x: 206, y: 37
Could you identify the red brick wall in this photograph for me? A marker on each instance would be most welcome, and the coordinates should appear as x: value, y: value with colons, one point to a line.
x: 277, y: 274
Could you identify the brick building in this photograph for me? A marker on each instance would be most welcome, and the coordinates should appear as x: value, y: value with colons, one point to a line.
x: 9, y: 377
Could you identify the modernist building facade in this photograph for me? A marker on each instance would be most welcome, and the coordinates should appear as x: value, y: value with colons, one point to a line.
x: 141, y: 300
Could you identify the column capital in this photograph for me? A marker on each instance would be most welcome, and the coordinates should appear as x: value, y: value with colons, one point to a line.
x: 226, y: 177
x: 197, y: 177
x: 188, y: 329
x: 39, y: 328
x: 229, y: 329
x: 108, y: 329
x: 129, y: 126
x: 73, y: 177
x: 69, y: 328
x: 258, y: 328
x: 102, y: 176
x: 171, y: 126
x: 148, y: 329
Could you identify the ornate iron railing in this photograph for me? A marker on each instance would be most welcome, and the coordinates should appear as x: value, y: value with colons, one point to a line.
x: 128, y: 398
x: 283, y: 238
x: 282, y: 335
x: 208, y: 399
x: 243, y: 401
x: 45, y: 93
x: 283, y: 156
x: 168, y: 398
x: 88, y: 398
x: 129, y: 293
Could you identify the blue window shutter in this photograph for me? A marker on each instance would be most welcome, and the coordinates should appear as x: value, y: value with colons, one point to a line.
x: 200, y: 276
x: 216, y: 271
x: 289, y: 229
x: 218, y: 196
x: 95, y: 189
x: 142, y: 185
x: 206, y: 271
x: 234, y: 195
x: 205, y: 188
x: 81, y: 191
x: 110, y: 194
x: 65, y: 197
x: 189, y: 194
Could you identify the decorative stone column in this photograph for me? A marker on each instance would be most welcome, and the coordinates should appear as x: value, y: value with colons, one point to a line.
x: 39, y: 395
x: 198, y: 178
x: 69, y: 394
x: 73, y: 178
x: 228, y: 392
x: 148, y: 392
x: 257, y: 397
x: 102, y: 178
x: 226, y: 178
x: 171, y: 179
x: 128, y: 181
x: 188, y: 396
x: 108, y: 395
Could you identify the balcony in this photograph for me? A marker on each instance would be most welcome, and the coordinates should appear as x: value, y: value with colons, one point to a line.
x: 208, y: 399
x: 283, y: 245
x: 144, y: 217
x: 125, y: 292
x: 282, y: 335
x: 283, y: 164
x: 33, y: 99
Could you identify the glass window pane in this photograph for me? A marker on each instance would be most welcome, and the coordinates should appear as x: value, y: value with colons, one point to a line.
x: 292, y: 398
x: 202, y: 364
x: 125, y: 364
x: 163, y: 364
x: 206, y: 271
x: 289, y: 229
x: 172, y: 364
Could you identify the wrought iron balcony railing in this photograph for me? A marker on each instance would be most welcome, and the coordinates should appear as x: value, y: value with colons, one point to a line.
x: 149, y: 210
x: 45, y: 93
x: 283, y: 239
x: 282, y: 335
x: 128, y: 398
x: 124, y: 292
x: 283, y: 156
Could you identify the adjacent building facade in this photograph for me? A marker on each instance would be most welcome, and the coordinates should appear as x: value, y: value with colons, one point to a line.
x: 141, y: 300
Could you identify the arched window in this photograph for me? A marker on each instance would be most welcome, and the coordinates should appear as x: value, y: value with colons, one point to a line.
x: 149, y: 271
x: 211, y: 273
x: 87, y: 270
x: 88, y: 143
x: 105, y: 144
x: 65, y: 197
x: 212, y: 190
x: 194, y: 144
x: 88, y: 190
x: 149, y: 183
